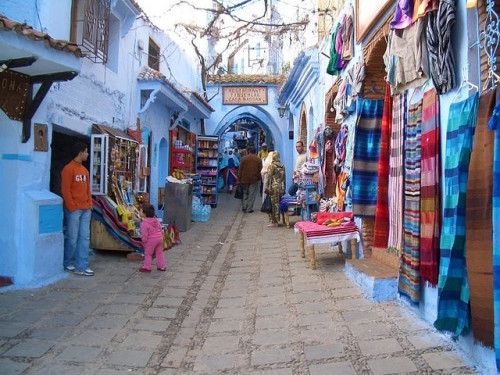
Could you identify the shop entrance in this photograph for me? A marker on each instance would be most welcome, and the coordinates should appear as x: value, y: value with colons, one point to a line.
x: 62, y: 140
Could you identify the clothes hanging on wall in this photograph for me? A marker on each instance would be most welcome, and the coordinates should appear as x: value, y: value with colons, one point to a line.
x: 348, y: 37
x: 430, y: 212
x: 395, y: 199
x: 403, y: 16
x: 439, y: 46
x: 334, y: 55
x: 381, y: 229
x: 453, y: 287
x: 422, y: 7
x: 366, y: 155
x: 409, y: 275
x: 405, y: 57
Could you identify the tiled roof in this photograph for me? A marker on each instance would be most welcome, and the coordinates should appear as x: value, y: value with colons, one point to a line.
x: 247, y: 78
x: 202, y: 100
x: 148, y: 73
x: 7, y: 24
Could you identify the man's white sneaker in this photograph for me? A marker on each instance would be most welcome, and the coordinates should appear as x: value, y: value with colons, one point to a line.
x: 70, y: 268
x: 87, y: 272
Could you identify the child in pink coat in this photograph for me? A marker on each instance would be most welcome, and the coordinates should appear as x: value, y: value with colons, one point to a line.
x: 152, y: 239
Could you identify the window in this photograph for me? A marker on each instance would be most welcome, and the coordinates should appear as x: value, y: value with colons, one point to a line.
x: 242, y: 66
x: 257, y: 51
x: 90, y: 28
x: 153, y: 55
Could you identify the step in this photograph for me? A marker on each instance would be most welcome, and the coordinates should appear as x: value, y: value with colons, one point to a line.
x: 378, y: 281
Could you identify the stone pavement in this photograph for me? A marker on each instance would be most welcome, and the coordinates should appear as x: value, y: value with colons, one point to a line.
x: 236, y: 299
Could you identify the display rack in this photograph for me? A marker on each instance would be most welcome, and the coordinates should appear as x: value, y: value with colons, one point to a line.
x: 207, y: 165
x: 181, y: 153
x: 99, y: 164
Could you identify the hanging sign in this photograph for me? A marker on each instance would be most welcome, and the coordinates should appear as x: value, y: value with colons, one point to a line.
x: 13, y: 93
x: 256, y: 95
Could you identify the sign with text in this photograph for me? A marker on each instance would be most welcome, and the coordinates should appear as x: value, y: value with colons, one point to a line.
x: 244, y: 95
x: 13, y: 93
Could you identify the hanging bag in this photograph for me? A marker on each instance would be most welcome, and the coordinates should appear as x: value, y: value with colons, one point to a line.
x: 238, y: 193
x: 267, y: 205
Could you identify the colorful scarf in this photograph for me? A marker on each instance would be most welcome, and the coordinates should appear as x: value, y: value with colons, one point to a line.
x: 381, y: 230
x: 409, y: 274
x: 366, y: 155
x: 453, y: 286
x: 395, y: 199
x: 430, y: 193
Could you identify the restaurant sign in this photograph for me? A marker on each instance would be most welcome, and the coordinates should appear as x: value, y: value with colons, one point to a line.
x: 14, y: 89
x: 256, y: 95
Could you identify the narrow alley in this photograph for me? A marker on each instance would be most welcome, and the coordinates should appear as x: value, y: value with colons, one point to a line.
x: 237, y: 298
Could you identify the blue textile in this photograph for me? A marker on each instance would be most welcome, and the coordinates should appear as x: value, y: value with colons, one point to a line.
x: 364, y: 179
x: 453, y: 286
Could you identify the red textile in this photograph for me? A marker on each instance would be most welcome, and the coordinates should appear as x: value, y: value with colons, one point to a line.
x: 312, y: 229
x: 430, y: 217
x: 321, y: 217
x: 381, y: 230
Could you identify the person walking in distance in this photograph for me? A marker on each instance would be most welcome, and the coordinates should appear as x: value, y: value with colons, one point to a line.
x: 275, y: 187
x: 249, y: 177
x: 77, y: 200
x: 152, y: 239
x: 299, y: 162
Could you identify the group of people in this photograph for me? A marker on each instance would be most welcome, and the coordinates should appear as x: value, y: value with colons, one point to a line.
x: 268, y: 172
x: 253, y: 172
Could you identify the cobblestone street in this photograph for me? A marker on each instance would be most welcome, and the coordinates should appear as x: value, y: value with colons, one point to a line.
x: 236, y: 299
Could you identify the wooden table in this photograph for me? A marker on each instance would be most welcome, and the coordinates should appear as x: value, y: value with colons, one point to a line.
x: 312, y: 233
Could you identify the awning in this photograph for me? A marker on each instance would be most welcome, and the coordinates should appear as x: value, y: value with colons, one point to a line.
x: 29, y: 57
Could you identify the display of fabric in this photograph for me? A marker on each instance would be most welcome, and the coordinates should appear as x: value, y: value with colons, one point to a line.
x: 104, y: 211
x: 334, y: 55
x: 409, y: 268
x: 439, y: 46
x: 453, y: 286
x: 395, y: 186
x: 348, y: 37
x: 479, y: 224
x: 493, y: 125
x: 430, y: 192
x: 403, y: 16
x: 405, y: 57
x: 366, y: 155
x: 381, y: 229
x: 422, y: 7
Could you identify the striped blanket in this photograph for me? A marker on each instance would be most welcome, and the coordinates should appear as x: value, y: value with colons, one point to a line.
x: 395, y: 199
x: 409, y: 275
x: 381, y: 230
x: 105, y: 212
x: 316, y: 233
x: 366, y: 155
x: 430, y: 192
x: 287, y: 201
x: 453, y: 286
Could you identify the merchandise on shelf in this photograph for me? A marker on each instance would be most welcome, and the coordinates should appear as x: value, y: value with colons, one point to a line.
x: 207, y: 165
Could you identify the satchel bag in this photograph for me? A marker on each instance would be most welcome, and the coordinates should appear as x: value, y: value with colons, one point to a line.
x: 238, y: 192
x: 267, y: 206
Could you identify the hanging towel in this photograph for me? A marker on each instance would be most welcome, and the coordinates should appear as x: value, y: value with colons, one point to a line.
x: 366, y: 155
x: 409, y: 273
x: 381, y: 230
x: 395, y: 199
x: 331, y: 68
x: 430, y: 197
x: 453, y: 286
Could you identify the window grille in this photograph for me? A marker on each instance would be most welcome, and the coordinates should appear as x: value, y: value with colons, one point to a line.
x: 153, y: 55
x: 91, y: 28
x: 489, y: 39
